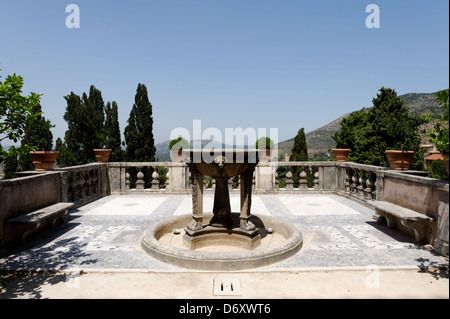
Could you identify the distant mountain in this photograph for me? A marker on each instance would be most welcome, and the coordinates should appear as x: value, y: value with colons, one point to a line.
x: 319, y: 140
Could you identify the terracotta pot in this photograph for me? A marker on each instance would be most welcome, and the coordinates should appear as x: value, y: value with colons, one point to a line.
x: 177, y: 155
x: 400, y: 160
x: 264, y: 155
x: 44, y: 160
x: 341, y: 154
x: 102, y: 155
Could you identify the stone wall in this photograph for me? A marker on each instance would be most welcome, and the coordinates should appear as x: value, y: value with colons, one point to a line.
x: 26, y: 194
x: 428, y: 196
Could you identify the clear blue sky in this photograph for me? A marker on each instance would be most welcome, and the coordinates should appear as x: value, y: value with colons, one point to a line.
x: 229, y: 63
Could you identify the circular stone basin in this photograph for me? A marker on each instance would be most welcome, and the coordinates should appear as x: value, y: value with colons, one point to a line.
x: 221, y: 253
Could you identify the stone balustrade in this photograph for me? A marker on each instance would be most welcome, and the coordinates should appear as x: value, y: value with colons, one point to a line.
x: 148, y: 177
x: 84, y: 183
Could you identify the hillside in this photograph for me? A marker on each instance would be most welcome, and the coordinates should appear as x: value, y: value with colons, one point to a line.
x: 319, y: 140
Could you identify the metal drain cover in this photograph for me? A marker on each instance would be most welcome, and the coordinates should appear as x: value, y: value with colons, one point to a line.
x: 227, y: 287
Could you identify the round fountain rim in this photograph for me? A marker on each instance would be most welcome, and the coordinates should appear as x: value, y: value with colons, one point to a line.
x: 207, y: 260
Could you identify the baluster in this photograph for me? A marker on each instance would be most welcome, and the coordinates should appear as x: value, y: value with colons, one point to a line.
x: 348, y: 177
x: 72, y: 187
x: 316, y: 180
x: 155, y: 180
x: 362, y: 183
x: 355, y: 180
x: 127, y: 181
x: 303, y: 182
x: 289, y: 184
x: 79, y: 185
x: 370, y: 184
x: 140, y: 179
x: 94, y: 181
x: 277, y: 182
x: 87, y: 183
x: 167, y: 179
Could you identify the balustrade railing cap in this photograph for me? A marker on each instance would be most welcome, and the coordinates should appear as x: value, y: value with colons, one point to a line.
x: 232, y: 154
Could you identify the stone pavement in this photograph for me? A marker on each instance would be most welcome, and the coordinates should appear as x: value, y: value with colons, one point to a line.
x: 339, y: 235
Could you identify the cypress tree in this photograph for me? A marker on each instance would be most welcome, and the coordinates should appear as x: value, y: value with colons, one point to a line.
x: 96, y: 111
x: 299, y: 153
x: 72, y: 137
x: 111, y: 131
x: 300, y: 150
x: 139, y: 131
x: 85, y: 118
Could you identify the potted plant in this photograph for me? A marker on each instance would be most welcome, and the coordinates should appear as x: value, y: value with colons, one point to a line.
x: 44, y: 160
x: 176, y: 147
x: 440, y: 134
x: 264, y: 145
x: 341, y: 150
x: 102, y: 154
x: 341, y: 154
x: 399, y: 159
x: 39, y: 138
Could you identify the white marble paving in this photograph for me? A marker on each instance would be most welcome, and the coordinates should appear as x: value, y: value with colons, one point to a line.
x: 315, y: 205
x: 130, y: 206
x: 257, y: 207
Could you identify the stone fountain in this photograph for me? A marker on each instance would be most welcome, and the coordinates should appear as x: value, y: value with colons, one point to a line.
x: 222, y: 166
x: 225, y: 228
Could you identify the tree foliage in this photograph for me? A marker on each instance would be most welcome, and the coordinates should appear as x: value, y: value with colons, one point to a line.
x: 16, y: 110
x: 179, y: 143
x: 111, y: 132
x: 140, y: 144
x: 385, y: 126
x: 38, y: 135
x: 299, y: 153
x: 300, y: 149
x: 440, y: 134
x: 264, y: 143
x: 85, y: 119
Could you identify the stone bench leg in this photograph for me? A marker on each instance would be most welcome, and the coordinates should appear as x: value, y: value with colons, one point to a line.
x: 390, y: 220
x: 30, y: 231
x: 420, y: 229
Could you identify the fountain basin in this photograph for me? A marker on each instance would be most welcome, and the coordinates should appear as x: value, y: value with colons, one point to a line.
x: 221, y: 253
x: 223, y: 163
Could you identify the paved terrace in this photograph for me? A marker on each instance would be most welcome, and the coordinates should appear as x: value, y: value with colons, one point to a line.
x: 104, y: 237
x: 346, y: 253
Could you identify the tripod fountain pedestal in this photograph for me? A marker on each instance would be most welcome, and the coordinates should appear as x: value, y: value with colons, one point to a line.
x: 222, y: 228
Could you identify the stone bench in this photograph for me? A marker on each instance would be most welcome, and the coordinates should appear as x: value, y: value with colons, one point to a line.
x: 26, y: 224
x: 421, y: 224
